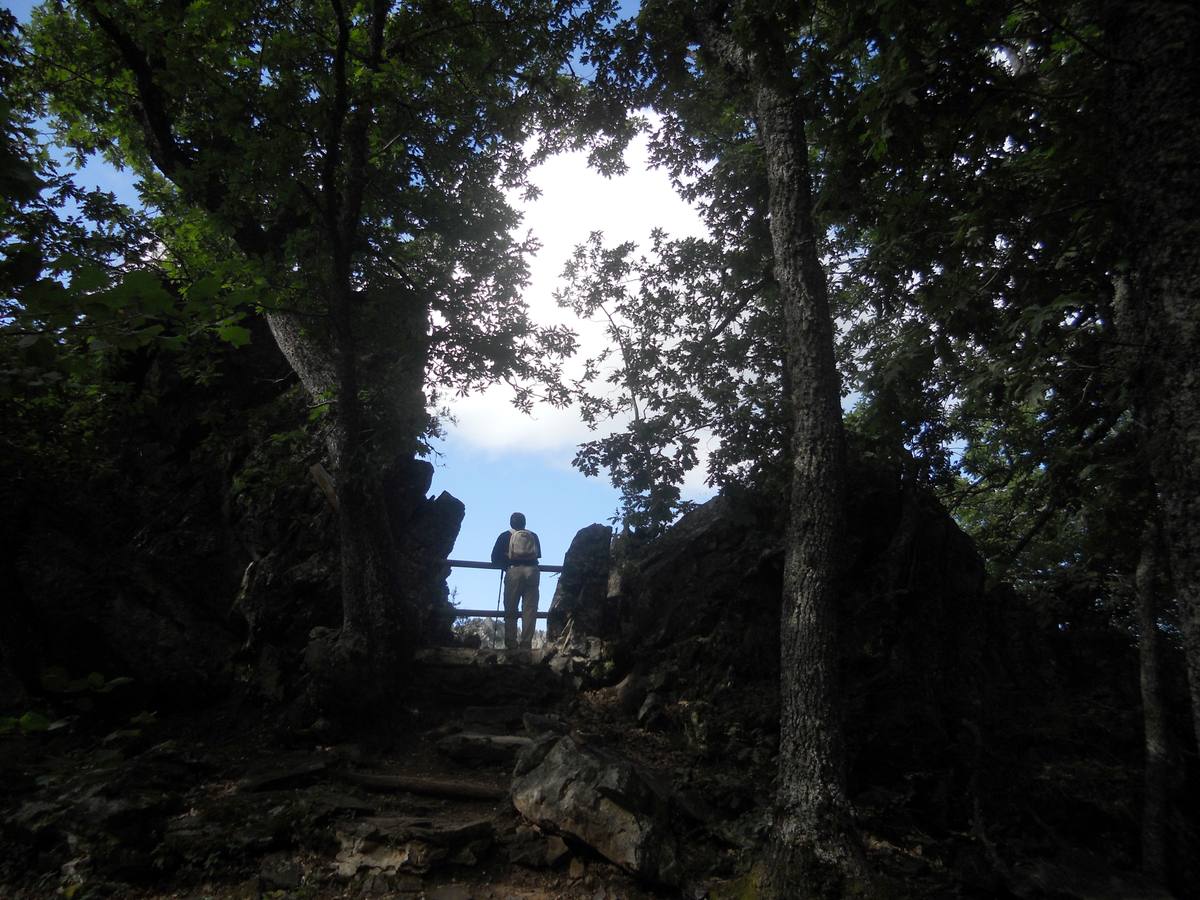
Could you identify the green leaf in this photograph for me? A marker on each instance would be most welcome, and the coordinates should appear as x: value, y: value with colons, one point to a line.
x: 120, y: 734
x: 150, y: 332
x: 88, y: 279
x: 119, y: 681
x: 234, y: 334
x: 204, y: 290
x: 147, y: 290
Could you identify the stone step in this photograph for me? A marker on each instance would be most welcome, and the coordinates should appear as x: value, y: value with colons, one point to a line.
x: 429, y: 787
x: 466, y: 656
x: 447, y: 677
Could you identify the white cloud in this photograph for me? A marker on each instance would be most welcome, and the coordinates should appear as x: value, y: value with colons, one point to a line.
x: 488, y: 421
x: 574, y: 202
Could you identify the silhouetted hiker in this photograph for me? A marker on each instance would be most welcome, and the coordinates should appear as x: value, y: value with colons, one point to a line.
x: 517, y: 551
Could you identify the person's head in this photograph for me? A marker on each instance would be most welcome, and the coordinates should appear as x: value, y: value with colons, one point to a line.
x: 517, y: 521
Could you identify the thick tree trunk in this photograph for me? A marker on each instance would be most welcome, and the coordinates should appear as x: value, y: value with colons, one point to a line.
x: 306, y: 349
x: 370, y: 439
x: 1156, y: 50
x: 365, y: 445
x: 815, y: 852
x: 1156, y: 804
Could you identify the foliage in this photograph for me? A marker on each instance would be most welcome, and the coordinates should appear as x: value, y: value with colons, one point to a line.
x: 85, y: 280
x: 77, y: 693
x: 27, y: 723
x: 694, y: 364
x: 981, y: 342
x: 985, y: 341
x: 264, y: 110
x: 697, y: 322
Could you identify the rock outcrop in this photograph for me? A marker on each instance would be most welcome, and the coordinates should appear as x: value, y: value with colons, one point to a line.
x: 926, y: 643
x: 198, y: 553
x: 583, y: 622
x: 602, y: 800
x: 582, y: 592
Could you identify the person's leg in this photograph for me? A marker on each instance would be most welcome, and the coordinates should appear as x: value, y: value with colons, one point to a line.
x: 512, y: 599
x: 529, y: 608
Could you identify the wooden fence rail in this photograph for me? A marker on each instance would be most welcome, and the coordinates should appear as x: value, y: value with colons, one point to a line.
x: 489, y: 613
x: 471, y: 564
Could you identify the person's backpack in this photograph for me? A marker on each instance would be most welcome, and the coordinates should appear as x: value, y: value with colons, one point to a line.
x: 522, y: 545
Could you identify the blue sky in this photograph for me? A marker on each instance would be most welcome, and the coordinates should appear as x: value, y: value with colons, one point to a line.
x: 495, y: 459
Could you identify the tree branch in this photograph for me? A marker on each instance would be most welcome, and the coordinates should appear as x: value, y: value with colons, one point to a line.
x: 165, y: 149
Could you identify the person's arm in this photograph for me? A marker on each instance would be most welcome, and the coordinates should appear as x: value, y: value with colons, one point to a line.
x: 500, y: 550
x: 537, y: 541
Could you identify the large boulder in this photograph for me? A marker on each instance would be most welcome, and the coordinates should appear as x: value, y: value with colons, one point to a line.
x: 926, y: 643
x: 582, y: 592
x: 600, y: 799
x: 583, y: 620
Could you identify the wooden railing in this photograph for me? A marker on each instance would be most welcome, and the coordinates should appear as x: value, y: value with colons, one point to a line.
x: 490, y: 613
x: 471, y: 564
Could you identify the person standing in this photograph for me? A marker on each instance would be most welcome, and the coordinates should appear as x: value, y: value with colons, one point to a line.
x: 517, y: 552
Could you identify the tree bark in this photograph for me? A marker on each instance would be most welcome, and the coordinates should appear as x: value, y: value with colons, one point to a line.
x: 1156, y: 138
x: 306, y: 351
x: 815, y: 851
x: 365, y: 445
x: 1156, y: 804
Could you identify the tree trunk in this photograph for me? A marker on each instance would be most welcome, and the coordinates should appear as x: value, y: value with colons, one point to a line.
x: 306, y: 349
x: 366, y: 445
x: 1156, y: 47
x: 1155, y: 804
x: 815, y: 852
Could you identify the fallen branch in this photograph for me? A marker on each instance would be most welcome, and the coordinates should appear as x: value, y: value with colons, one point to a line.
x: 459, y: 790
x: 252, y: 783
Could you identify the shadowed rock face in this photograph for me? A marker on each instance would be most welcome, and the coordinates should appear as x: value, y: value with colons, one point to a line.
x: 128, y: 563
x: 582, y: 591
x: 202, y: 552
x: 925, y: 643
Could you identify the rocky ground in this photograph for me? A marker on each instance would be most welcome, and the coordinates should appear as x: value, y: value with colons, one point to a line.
x: 224, y: 805
x: 498, y: 776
